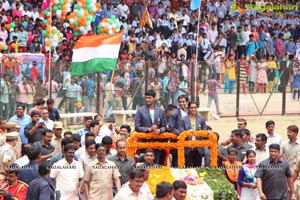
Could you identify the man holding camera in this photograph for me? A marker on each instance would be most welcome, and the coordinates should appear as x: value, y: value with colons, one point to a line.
x: 33, y: 131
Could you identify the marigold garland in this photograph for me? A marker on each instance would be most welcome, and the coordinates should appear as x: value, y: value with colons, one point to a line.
x: 211, y: 142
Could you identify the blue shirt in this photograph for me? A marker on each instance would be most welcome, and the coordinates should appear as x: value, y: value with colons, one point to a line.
x: 40, y: 188
x: 29, y: 172
x: 22, y: 122
x: 54, y: 114
x: 251, y: 46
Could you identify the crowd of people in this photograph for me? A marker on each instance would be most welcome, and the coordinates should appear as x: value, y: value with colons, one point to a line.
x: 260, y: 49
x: 40, y: 160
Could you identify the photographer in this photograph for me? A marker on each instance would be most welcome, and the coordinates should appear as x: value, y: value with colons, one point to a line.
x: 33, y: 131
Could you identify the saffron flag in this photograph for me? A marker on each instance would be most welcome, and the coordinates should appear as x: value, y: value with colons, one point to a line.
x: 195, y: 4
x: 146, y: 19
x: 45, y: 4
x: 96, y: 53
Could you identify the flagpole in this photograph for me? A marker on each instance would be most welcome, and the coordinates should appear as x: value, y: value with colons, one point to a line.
x: 50, y: 56
x: 197, y: 51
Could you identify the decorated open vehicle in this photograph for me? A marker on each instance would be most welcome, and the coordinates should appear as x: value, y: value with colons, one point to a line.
x: 203, y: 183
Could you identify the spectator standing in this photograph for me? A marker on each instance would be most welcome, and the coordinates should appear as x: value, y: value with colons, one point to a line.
x: 274, y: 176
x: 41, y: 187
x: 229, y: 74
x: 68, y: 173
x: 95, y: 175
x: 247, y: 187
x: 212, y: 85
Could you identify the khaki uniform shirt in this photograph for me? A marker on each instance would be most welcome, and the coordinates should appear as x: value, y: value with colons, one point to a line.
x: 7, y: 153
x: 56, y: 142
x: 101, y: 174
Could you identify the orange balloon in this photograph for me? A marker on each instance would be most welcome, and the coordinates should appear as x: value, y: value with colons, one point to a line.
x: 114, y: 30
x: 13, y: 45
x: 63, y: 17
x: 63, y: 8
x: 7, y: 26
x: 1, y: 46
x: 105, y: 20
x: 49, y: 20
x: 47, y: 43
x: 53, y: 31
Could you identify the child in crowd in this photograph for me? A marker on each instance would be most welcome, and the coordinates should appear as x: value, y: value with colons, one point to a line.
x: 231, y: 167
x: 271, y: 66
x: 252, y: 73
x: 261, y: 78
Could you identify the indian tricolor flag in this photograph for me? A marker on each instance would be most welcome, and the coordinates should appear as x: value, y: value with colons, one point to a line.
x: 96, y: 53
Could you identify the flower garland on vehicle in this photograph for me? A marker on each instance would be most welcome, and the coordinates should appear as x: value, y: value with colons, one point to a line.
x: 211, y: 142
x: 132, y: 143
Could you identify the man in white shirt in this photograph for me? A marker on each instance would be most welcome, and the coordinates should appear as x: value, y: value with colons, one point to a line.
x: 68, y: 174
x: 261, y: 150
x: 132, y: 190
x: 273, y: 138
x: 45, y: 119
x: 123, y: 9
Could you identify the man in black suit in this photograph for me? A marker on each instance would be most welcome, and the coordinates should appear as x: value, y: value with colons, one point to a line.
x: 150, y: 118
x: 174, y: 120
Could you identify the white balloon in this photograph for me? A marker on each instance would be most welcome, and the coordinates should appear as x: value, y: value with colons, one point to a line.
x: 118, y: 30
x: 84, y: 32
x: 56, y: 1
x: 94, y: 9
x: 109, y: 26
x: 72, y: 20
x: 79, y: 4
x: 103, y: 24
x: 114, y: 25
x: 81, y: 28
x: 58, y: 13
x: 68, y: 9
x: 55, y: 38
x: 110, y: 32
x: 54, y: 44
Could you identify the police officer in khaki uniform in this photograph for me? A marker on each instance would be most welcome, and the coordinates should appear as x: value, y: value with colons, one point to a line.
x: 7, y: 152
x: 11, y: 127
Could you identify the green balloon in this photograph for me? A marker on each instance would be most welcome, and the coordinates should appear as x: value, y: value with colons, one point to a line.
x: 55, y: 8
x: 89, y: 18
x: 110, y: 22
x: 12, y: 25
x: 55, y: 60
x: 113, y: 17
x: 45, y: 22
x: 51, y: 36
x: 59, y: 7
x: 57, y: 32
x: 5, y: 47
x: 44, y: 32
x: 76, y: 7
x: 90, y: 9
x: 76, y: 33
x: 88, y: 2
x: 76, y: 23
x: 79, y: 14
x: 61, y: 2
x: 79, y: 99
x: 46, y: 12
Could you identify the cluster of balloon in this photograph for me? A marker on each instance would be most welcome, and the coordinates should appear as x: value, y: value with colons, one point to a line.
x: 3, y: 46
x: 61, y: 8
x: 53, y: 36
x: 82, y: 16
x: 109, y: 25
